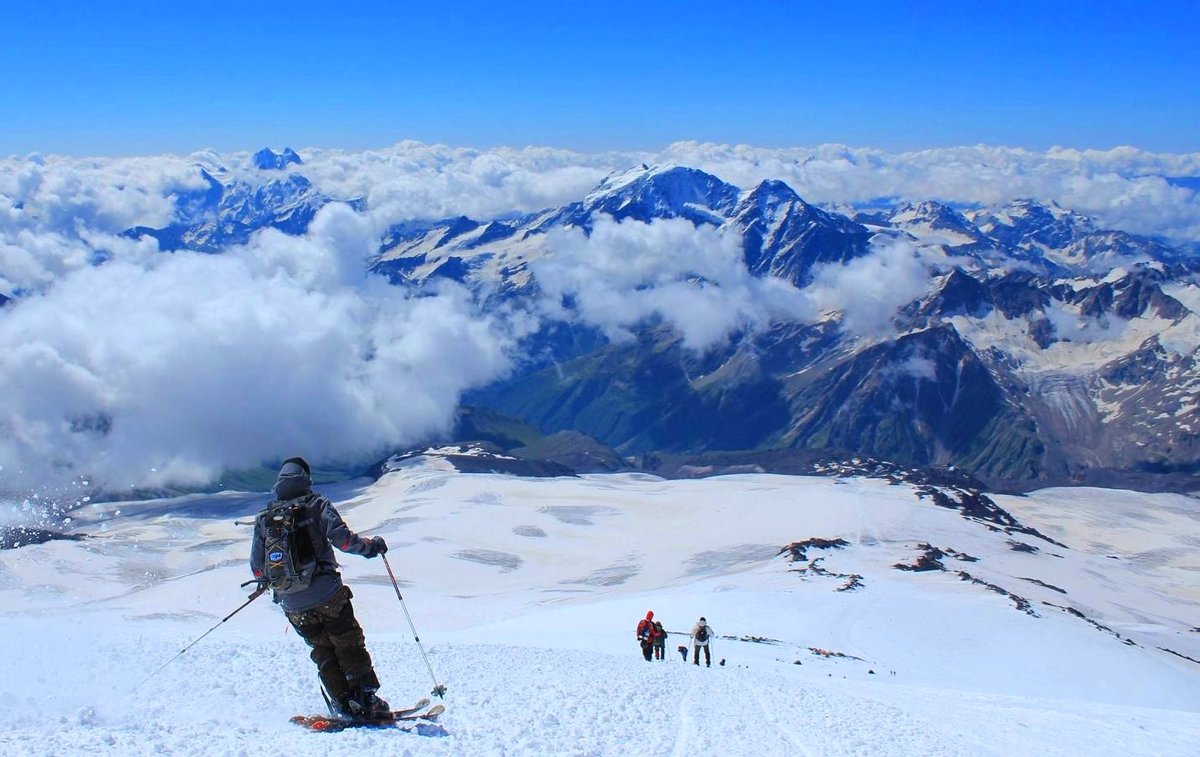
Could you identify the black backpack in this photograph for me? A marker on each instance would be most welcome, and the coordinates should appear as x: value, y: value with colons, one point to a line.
x: 288, y: 545
x: 702, y: 634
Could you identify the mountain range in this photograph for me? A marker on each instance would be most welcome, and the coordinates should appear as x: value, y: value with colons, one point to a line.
x: 1045, y: 348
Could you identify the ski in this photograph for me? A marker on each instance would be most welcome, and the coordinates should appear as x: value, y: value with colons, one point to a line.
x: 419, y: 728
x: 398, y: 719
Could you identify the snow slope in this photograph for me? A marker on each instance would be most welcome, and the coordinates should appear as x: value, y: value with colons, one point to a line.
x: 526, y: 593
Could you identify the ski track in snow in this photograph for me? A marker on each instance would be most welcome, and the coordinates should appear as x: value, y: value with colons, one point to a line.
x: 769, y: 716
x: 538, y: 664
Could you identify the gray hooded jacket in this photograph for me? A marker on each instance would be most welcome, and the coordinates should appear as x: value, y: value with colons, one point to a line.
x: 327, y: 530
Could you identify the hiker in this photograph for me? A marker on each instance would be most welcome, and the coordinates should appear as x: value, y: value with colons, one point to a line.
x: 644, y: 628
x: 658, y: 640
x: 292, y: 554
x: 702, y: 635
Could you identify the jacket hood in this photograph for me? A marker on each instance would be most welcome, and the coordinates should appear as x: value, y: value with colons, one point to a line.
x: 295, y: 479
x: 650, y: 615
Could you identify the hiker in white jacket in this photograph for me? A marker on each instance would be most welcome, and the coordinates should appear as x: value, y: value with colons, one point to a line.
x: 702, y: 635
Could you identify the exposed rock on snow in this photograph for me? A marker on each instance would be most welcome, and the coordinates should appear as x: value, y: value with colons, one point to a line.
x: 1096, y: 625
x: 1021, y: 603
x: 798, y: 550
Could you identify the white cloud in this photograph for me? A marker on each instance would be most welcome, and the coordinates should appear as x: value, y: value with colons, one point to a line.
x: 191, y: 363
x: 1072, y: 326
x: 414, y: 180
x: 692, y: 277
x: 870, y: 289
x: 104, y: 194
x: 57, y: 213
x: 919, y: 366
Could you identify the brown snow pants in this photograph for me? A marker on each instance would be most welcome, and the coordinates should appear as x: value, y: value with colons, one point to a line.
x: 338, y: 646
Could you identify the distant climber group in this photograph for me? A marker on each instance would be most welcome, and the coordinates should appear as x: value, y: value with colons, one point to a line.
x: 653, y: 639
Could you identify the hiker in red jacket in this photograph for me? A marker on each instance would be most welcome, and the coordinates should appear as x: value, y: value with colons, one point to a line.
x: 645, y: 628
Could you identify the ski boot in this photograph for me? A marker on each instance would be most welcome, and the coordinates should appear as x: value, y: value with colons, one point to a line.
x: 364, y: 704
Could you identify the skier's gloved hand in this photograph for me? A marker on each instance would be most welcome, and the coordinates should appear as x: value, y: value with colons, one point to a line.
x: 378, y: 546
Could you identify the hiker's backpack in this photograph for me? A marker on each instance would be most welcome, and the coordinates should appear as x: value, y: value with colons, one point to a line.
x: 702, y: 634
x: 658, y: 634
x: 287, y: 530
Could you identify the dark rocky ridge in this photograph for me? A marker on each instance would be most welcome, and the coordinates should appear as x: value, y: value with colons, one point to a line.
x: 14, y: 537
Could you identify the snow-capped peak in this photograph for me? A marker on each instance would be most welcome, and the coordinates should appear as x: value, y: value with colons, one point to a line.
x: 929, y: 211
x: 1026, y: 220
x: 267, y: 159
x: 615, y: 181
x: 769, y: 195
x: 661, y: 191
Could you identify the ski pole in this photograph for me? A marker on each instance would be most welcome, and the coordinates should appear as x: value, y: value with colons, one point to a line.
x: 438, y: 689
x: 262, y: 587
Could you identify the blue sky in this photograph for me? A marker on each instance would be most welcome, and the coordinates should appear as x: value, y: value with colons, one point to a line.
x: 145, y: 78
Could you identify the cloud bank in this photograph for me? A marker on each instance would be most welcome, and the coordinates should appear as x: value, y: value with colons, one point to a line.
x: 869, y: 290
x: 691, y: 277
x: 174, y: 368
x: 694, y: 278
x: 57, y: 213
x: 413, y: 180
x: 1122, y: 188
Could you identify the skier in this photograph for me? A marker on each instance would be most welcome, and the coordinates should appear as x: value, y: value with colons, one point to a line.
x: 644, y: 628
x: 292, y: 553
x: 702, y: 635
x: 658, y: 639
